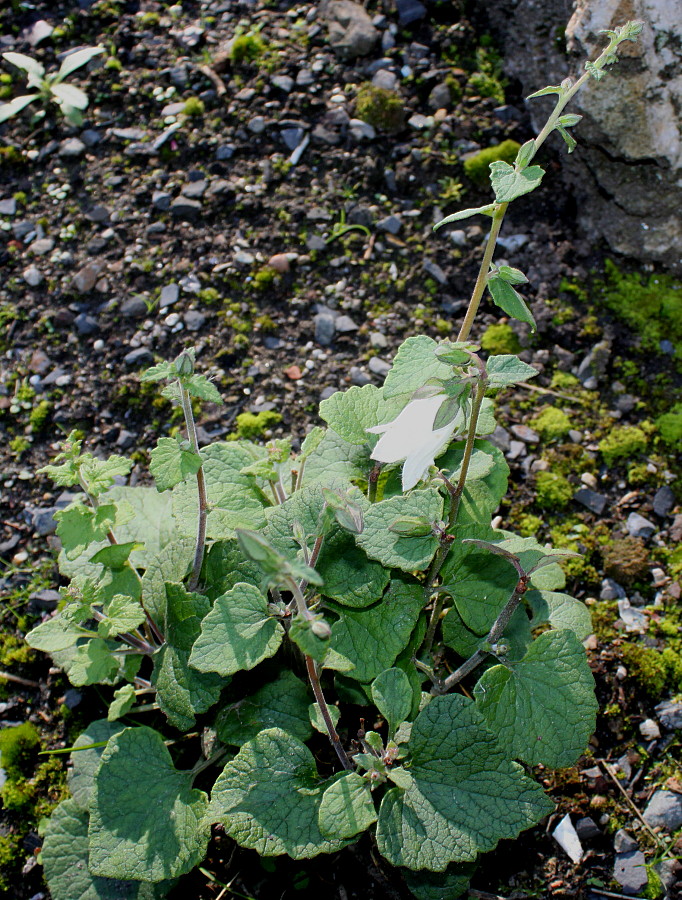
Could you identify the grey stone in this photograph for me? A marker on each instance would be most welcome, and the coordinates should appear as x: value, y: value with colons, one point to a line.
x: 410, y: 11
x: 8, y: 207
x: 71, y: 148
x: 316, y: 242
x: 591, y: 500
x: 190, y: 36
x: 37, y: 32
x: 283, y: 82
x: 360, y: 130
x: 128, y: 134
x: 193, y: 319
x: 24, y: 231
x: 161, y: 200
x: 667, y: 347
x: 664, y: 500
x: 91, y: 137
x: 525, y: 433
x: 629, y: 870
x: 190, y: 284
x: 512, y: 242
x: 344, y: 324
x: 272, y: 343
x: 664, y: 810
x: 378, y: 340
x: 669, y: 714
x: 500, y: 438
x: 351, y: 32
x: 125, y: 439
x: 292, y: 137
x: 640, y: 527
x: 225, y: 151
x: 667, y: 870
x: 33, y: 276
x: 458, y: 237
x: 622, y: 841
x: 169, y: 295
x: 257, y: 125
x: 72, y: 698
x: 611, y: 590
x: 195, y: 189
x: 626, y: 403
x: 420, y: 122
x: 326, y: 393
x: 649, y: 730
x: 392, y: 224
x: 139, y: 357
x: 587, y: 829
x: 440, y: 97
x: 594, y: 364
x: 43, y: 521
x: 84, y: 280
x: 134, y: 307
x: 516, y: 449
x: 379, y: 366
x: 305, y: 78
x: 325, y: 326
x: 42, y: 246
x: 44, y: 600
x: 358, y: 377
x: 385, y: 79
x: 434, y: 270
x: 98, y: 214
x: 85, y: 324
x: 185, y: 208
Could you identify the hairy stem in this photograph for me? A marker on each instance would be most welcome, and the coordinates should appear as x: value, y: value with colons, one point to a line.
x: 482, y: 279
x: 201, y: 490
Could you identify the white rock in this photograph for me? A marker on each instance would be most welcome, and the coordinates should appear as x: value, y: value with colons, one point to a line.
x: 649, y: 730
x: 567, y: 838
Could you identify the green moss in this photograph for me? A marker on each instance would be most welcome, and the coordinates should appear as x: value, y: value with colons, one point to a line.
x: 500, y: 339
x: 380, y: 108
x: 477, y: 167
x: 552, y: 424
x: 651, y: 306
x: 527, y: 524
x: 647, y: 667
x: 250, y: 426
x: 18, y: 748
x: 673, y: 668
x: 638, y: 474
x: 247, y: 48
x: 19, y: 445
x: 264, y: 277
x: 553, y: 490
x: 563, y: 381
x: 194, y: 107
x: 39, y: 415
x: 670, y: 425
x: 623, y: 441
x: 604, y: 615
x: 626, y: 560
x: 209, y: 295
x: 14, y: 651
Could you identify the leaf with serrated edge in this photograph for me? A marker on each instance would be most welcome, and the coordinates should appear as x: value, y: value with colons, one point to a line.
x: 169, y: 565
x: 317, y: 719
x: 334, y: 458
x: 123, y: 614
x: 349, y: 576
x: 560, y: 611
x: 465, y: 795
x: 347, y: 807
x: 268, y: 798
x: 542, y: 708
x: 123, y: 701
x: 282, y: 703
x: 517, y: 635
x: 406, y: 553
x: 84, y: 763
x: 350, y: 413
x: 170, y: 463
x: 507, y: 369
x: 65, y: 861
x: 372, y: 638
x: 448, y: 885
x: 237, y: 633
x: 152, y: 834
x: 509, y: 184
x: 413, y: 365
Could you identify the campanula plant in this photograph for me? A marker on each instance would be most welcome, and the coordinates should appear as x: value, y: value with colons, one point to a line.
x: 250, y: 610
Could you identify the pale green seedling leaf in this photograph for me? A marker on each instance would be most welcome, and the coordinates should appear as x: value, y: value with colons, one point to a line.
x: 7, y: 110
x: 509, y: 184
x: 371, y: 639
x: 92, y: 663
x: 101, y: 474
x: 57, y: 633
x: 283, y: 703
x: 77, y: 59
x: 273, y: 809
x: 525, y: 154
x: 392, y: 695
x: 414, y: 364
x: 506, y: 369
x: 115, y: 556
x: 391, y: 549
x: 463, y: 795
x: 27, y: 63
x: 509, y: 300
x: 542, y: 708
x: 200, y: 387
x: 69, y: 95
x: 237, y: 633
x: 171, y: 463
x: 347, y: 807
x: 79, y: 526
x: 465, y: 214
x: 123, y: 701
x: 151, y: 826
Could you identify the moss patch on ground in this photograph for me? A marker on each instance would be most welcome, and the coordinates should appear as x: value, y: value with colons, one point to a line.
x: 477, y: 167
x: 500, y: 339
x: 552, y: 424
x: 624, y: 441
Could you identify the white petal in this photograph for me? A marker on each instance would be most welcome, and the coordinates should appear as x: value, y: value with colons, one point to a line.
x: 418, y: 463
x: 408, y: 431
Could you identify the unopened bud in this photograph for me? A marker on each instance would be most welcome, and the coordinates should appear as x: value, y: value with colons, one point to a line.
x: 320, y: 629
x: 184, y: 364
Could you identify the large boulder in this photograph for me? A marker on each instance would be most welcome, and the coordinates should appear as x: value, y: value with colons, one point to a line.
x: 627, y: 170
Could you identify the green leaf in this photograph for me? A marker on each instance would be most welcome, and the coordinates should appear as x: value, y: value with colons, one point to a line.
x: 237, y: 633
x: 311, y: 442
x: 115, y: 556
x: 165, y: 371
x: 225, y: 566
x: 84, y: 763
x: 392, y: 695
x: 302, y: 632
x: 349, y: 576
x: 350, y: 413
x: 511, y: 275
x: 169, y: 565
x: 509, y: 184
x: 317, y: 719
x: 542, y: 708
x: 148, y: 521
x: 406, y: 553
x: 335, y: 459
x: 155, y: 833
x: 26, y: 63
x: 480, y: 463
x: 57, y: 633
x: 123, y: 614
x: 448, y: 885
x: 101, y: 474
x: 268, y: 798
x: 182, y: 691
x: 79, y: 526
x: 504, y: 370
x: 92, y: 663
x: 233, y: 500
x: 347, y: 807
x: 200, y: 387
x: 570, y: 141
x: 464, y: 793
x: 481, y: 496
x: 509, y: 300
x: 65, y: 861
x: 560, y: 611
x: 413, y: 365
x: 525, y: 154
x: 516, y: 638
x: 465, y: 214
x: 372, y: 638
x: 545, y: 91
x: 77, y: 59
x: 282, y: 703
x: 171, y: 463
x: 123, y: 701
x: 7, y: 110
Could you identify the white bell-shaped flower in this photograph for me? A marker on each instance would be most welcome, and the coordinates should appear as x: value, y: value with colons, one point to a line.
x: 411, y: 436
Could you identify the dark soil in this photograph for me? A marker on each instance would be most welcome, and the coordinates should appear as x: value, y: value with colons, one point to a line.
x: 250, y: 273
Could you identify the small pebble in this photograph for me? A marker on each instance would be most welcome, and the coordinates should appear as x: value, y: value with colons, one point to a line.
x: 649, y: 730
